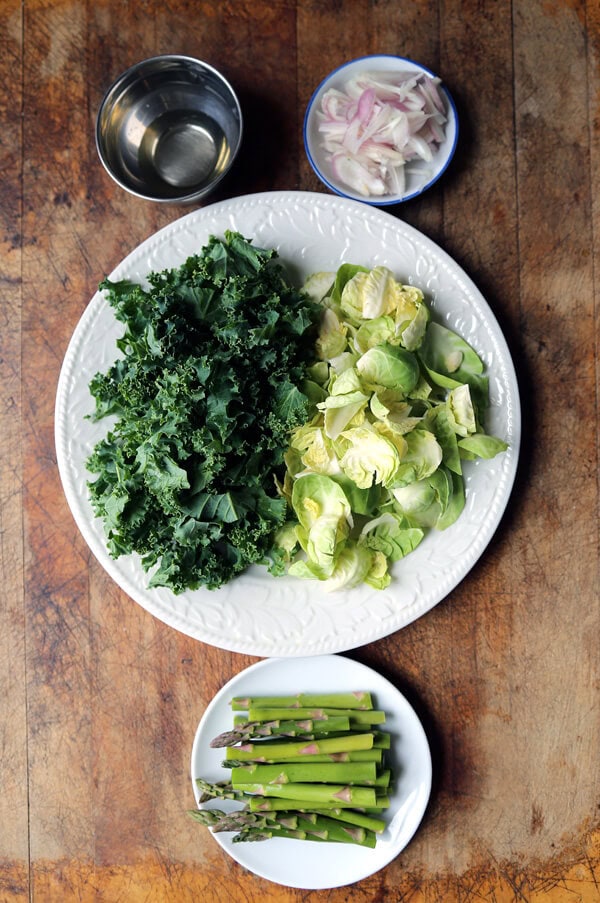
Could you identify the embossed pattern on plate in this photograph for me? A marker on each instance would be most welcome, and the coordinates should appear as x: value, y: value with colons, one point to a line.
x: 257, y: 614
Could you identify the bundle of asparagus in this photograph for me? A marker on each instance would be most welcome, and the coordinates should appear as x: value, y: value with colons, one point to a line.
x: 309, y: 766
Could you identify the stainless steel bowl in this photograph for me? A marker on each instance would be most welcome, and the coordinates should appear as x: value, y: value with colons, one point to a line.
x: 169, y: 129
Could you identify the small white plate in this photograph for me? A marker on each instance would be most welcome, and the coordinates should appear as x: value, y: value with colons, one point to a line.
x: 298, y: 863
x: 420, y: 175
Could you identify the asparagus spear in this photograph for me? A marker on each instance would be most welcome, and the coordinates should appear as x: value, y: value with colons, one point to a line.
x: 307, y: 771
x: 255, y: 834
x: 285, y: 749
x: 221, y: 790
x: 355, y: 794
x: 383, y: 802
x: 349, y: 816
x: 341, y: 833
x: 324, y: 830
x: 301, y: 827
x: 357, y: 755
x: 381, y: 739
x: 273, y: 804
x: 243, y: 818
x: 358, y: 716
x: 326, y: 795
x: 383, y: 780
x: 370, y: 822
x: 247, y: 836
x: 256, y: 729
x: 297, y: 825
x: 249, y: 823
x: 355, y: 700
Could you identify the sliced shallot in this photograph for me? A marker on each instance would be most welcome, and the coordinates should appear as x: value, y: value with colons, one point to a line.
x: 378, y: 123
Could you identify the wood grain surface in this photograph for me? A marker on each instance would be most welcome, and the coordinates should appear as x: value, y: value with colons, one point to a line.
x: 99, y: 701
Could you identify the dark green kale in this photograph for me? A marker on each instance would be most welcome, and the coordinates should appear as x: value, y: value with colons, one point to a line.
x: 203, y: 399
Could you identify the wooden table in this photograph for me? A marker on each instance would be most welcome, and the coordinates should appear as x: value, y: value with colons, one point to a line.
x: 100, y: 701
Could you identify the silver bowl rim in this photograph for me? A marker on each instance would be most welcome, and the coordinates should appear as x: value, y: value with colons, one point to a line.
x: 112, y: 89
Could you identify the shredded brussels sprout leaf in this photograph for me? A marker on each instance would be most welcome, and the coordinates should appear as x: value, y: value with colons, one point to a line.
x: 403, y: 402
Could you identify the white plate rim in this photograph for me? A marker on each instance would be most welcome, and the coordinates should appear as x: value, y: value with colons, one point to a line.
x: 381, y: 613
x: 328, y: 865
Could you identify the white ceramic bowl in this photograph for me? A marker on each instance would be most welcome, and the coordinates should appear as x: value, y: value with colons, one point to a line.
x: 418, y: 175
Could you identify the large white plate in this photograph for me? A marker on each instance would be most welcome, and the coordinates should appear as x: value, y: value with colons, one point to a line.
x: 258, y: 614
x: 298, y: 863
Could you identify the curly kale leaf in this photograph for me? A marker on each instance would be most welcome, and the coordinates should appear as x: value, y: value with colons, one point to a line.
x: 203, y: 398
